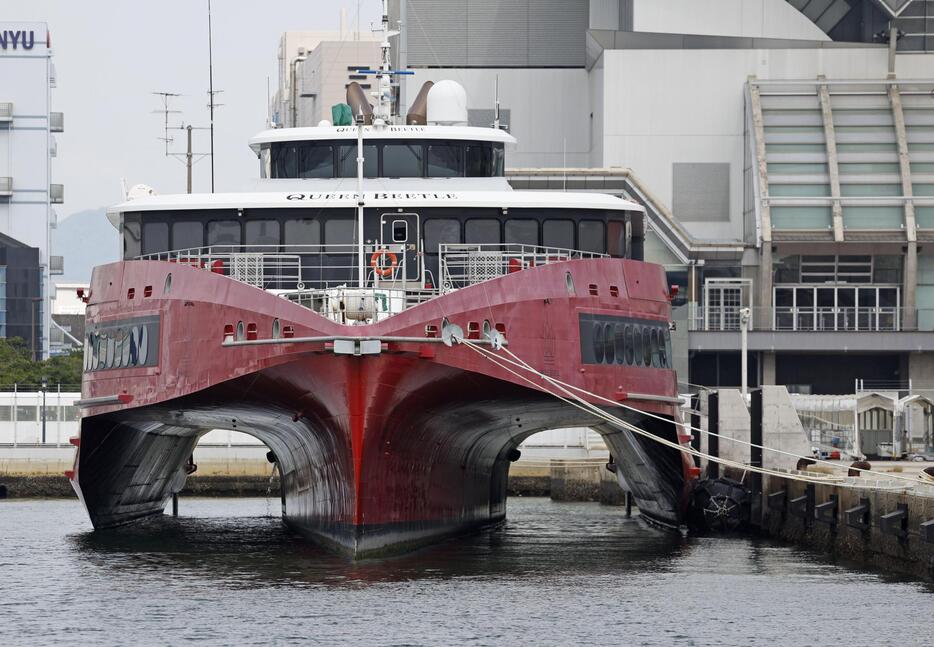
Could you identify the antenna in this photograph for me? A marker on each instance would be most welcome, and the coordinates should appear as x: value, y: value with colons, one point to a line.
x: 496, y: 102
x: 189, y: 155
x: 211, y: 90
x: 385, y: 72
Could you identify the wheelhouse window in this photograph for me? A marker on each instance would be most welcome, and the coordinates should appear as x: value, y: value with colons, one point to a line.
x: 187, y: 234
x: 261, y: 233
x: 317, y: 161
x: 558, y: 233
x: 300, y: 232
x: 441, y: 231
x: 347, y: 160
x: 223, y: 232
x: 285, y: 160
x: 482, y: 231
x: 590, y: 236
x: 484, y: 159
x: 445, y: 160
x: 521, y: 231
x: 155, y: 237
x: 132, y: 243
x: 402, y: 160
x: 338, y: 234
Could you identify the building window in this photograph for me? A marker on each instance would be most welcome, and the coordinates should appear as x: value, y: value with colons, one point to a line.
x: 482, y: 231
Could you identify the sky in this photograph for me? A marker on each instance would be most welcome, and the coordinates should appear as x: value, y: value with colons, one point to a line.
x: 111, y: 55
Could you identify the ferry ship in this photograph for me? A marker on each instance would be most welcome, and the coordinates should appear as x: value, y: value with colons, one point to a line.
x: 328, y: 312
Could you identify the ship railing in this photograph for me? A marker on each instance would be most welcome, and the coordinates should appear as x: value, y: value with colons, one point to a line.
x: 468, y: 264
x: 294, y: 267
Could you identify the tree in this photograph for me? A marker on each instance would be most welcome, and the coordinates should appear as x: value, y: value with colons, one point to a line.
x: 17, y: 367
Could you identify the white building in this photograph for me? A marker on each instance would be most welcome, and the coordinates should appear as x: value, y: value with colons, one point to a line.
x: 27, y: 190
x: 314, y: 70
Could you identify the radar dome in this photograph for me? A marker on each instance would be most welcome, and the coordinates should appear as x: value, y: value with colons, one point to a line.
x: 447, y: 104
x: 139, y: 191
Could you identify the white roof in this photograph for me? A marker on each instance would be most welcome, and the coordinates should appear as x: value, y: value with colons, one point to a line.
x: 399, y: 198
x: 315, y: 133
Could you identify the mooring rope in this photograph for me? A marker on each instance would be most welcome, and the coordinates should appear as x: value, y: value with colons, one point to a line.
x: 593, y: 409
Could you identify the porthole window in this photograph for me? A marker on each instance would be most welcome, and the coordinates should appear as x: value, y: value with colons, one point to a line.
x: 168, y: 283
x: 656, y: 355
x: 569, y: 282
x: 619, y: 342
x: 239, y: 331
x: 609, y: 344
x: 628, y: 343
x: 276, y: 329
x: 598, y: 342
x: 646, y: 347
x: 637, y: 345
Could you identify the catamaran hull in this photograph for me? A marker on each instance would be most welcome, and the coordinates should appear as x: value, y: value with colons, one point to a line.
x: 377, y: 452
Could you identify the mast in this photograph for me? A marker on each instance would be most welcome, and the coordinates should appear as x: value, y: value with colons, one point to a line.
x: 360, y: 260
x: 384, y: 75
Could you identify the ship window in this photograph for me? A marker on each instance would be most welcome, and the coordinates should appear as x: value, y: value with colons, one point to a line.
x: 637, y: 345
x: 317, y: 161
x: 223, y: 232
x: 445, y: 160
x: 285, y: 160
x: 131, y: 239
x: 647, y: 347
x: 187, y: 235
x: 440, y: 231
x: 400, y: 231
x: 522, y: 232
x: 656, y: 350
x: 484, y: 231
x: 664, y: 348
x: 590, y: 236
x: 263, y: 233
x: 402, y: 160
x: 598, y: 347
x: 300, y: 232
x: 558, y: 233
x: 338, y: 234
x: 155, y: 237
x: 484, y: 160
x: 616, y: 238
x: 619, y: 343
x: 609, y: 344
x: 347, y: 161
x: 628, y: 343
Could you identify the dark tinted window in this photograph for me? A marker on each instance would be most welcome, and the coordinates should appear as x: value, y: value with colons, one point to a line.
x: 609, y: 344
x: 131, y: 240
x: 402, y: 160
x: 285, y: 160
x: 317, y: 161
x: 224, y: 232
x: 301, y: 232
x: 347, y: 160
x: 261, y: 232
x: 616, y: 238
x: 628, y: 342
x: 558, y: 233
x: 187, y: 235
x: 590, y: 236
x: 339, y: 232
x: 637, y: 345
x: 440, y: 231
x: 482, y: 231
x: 445, y: 160
x: 523, y: 232
x: 619, y: 343
x: 155, y: 237
x: 647, y: 347
x: 484, y: 160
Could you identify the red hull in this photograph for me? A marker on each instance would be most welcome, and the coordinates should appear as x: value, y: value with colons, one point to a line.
x: 377, y: 452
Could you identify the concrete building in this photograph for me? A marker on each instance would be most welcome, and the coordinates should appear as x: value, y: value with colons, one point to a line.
x: 27, y: 190
x: 314, y: 70
x: 67, y: 318
x: 784, y: 152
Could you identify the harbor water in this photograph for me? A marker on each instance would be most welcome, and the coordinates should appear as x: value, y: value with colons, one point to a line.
x: 227, y: 572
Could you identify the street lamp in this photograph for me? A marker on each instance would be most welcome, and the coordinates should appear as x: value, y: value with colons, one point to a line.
x: 45, y: 386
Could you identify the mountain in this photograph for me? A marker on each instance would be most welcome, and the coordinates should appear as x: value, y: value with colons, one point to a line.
x: 85, y: 239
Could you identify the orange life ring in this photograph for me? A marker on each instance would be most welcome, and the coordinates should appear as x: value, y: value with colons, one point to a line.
x: 381, y: 270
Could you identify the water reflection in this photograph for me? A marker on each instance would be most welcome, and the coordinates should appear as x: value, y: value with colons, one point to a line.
x: 591, y: 540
